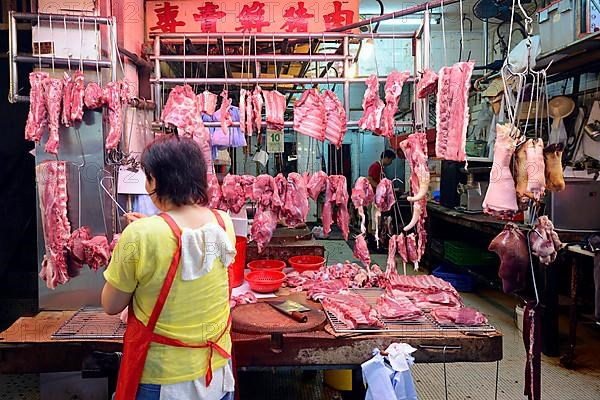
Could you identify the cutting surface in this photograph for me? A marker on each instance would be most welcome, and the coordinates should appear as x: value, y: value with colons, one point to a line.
x: 263, y: 318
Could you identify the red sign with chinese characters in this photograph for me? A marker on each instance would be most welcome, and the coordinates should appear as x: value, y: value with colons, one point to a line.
x: 247, y: 16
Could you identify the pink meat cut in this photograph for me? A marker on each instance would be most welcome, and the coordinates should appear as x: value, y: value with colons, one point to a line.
x: 275, y: 104
x: 336, y: 196
x: 247, y: 182
x: 545, y: 242
x: 281, y: 185
x: 397, y: 308
x: 93, y: 96
x: 225, y: 112
x: 257, y: 106
x: 393, y: 90
x: 207, y: 102
x: 112, y: 94
x: 422, y: 283
x: 391, y: 260
x: 76, y: 250
x: 361, y: 251
x: 431, y: 301
x: 310, y: 115
x: 372, y: 106
x: 265, y: 193
x: 458, y: 316
x: 536, y: 180
x: 215, y: 197
x: 411, y: 250
x: 242, y: 109
x: 322, y: 289
x: 316, y: 184
x: 352, y: 309
x: 415, y: 150
x: 97, y: 252
x: 401, y: 248
x: 53, y: 96
x: 37, y: 118
x: 295, y: 206
x: 501, y: 196
x: 244, y: 298
x: 65, y: 117
x: 511, y: 246
x: 263, y: 226
x: 77, y: 94
x: 452, y: 111
x: 52, y: 192
x: 384, y: 195
x: 427, y: 84
x: 362, y: 196
x: 335, y: 118
x: 233, y: 193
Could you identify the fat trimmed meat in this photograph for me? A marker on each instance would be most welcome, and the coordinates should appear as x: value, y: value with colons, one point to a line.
x: 310, y: 115
x: 295, y: 207
x: 275, y: 104
x: 335, y: 118
x: 372, y: 106
x: 427, y: 84
x: 398, y: 308
x: 393, y: 90
x: 37, y: 118
x: 458, y: 316
x: 352, y: 309
x: 53, y: 89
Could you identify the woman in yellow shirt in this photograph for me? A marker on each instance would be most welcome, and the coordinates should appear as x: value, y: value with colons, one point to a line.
x: 172, y: 269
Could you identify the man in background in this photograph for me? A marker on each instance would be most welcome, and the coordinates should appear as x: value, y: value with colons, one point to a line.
x: 376, y: 170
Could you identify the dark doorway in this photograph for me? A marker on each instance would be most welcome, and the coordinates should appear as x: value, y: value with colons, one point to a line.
x: 339, y: 162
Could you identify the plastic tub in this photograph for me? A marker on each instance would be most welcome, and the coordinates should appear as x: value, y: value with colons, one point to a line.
x: 236, y: 269
x: 461, y: 281
x: 265, y: 281
x: 272, y: 265
x: 306, y: 263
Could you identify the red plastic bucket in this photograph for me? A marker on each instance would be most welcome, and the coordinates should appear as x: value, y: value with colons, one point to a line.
x: 236, y: 270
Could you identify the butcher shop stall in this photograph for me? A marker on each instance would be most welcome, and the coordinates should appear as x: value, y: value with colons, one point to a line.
x: 412, y: 188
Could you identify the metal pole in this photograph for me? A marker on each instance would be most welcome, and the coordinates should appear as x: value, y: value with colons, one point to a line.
x: 395, y: 14
x: 291, y: 35
x: 346, y: 78
x: 114, y: 49
x: 14, y: 75
x: 272, y: 81
x: 59, y: 61
x: 288, y: 124
x: 259, y: 57
x: 61, y: 17
x: 157, y: 77
x: 426, y: 49
x: 418, y: 67
x: 485, y: 43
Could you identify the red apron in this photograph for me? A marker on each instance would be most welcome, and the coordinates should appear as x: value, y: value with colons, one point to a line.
x: 138, y: 336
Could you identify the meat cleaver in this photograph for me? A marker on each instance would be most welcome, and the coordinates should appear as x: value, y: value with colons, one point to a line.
x: 291, y: 309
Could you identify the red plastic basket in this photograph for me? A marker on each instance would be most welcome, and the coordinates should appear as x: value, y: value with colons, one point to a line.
x: 265, y: 281
x: 271, y: 265
x: 306, y: 263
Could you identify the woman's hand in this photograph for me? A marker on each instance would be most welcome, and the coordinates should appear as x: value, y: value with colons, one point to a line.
x: 133, y: 216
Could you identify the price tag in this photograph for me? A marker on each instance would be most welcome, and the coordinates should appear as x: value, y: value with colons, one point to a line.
x: 131, y: 182
x: 274, y: 141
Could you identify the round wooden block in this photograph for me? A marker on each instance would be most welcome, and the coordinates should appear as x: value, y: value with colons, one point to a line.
x: 263, y: 318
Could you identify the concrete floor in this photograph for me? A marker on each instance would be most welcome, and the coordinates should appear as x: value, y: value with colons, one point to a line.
x: 464, y: 380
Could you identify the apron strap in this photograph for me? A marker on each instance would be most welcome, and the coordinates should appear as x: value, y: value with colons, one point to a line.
x: 172, y: 272
x: 219, y: 219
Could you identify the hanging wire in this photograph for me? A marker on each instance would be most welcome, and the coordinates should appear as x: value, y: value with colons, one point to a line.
x: 113, y: 42
x: 80, y: 45
x: 52, y: 40
x: 444, y: 34
x: 39, y: 42
x: 256, y: 68
x: 243, y: 63
x: 326, y: 63
x: 462, y: 33
x: 206, y: 67
x: 275, y: 62
x: 66, y: 35
x: 310, y: 57
x: 225, y: 66
x: 375, y: 54
x: 184, y: 62
x: 98, y: 77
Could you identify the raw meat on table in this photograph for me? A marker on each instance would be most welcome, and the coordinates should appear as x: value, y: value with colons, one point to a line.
x: 452, y: 111
x: 362, y: 196
x: 37, y: 118
x: 233, y: 193
x: 244, y: 298
x: 393, y: 90
x: 397, y: 308
x: 372, y: 106
x: 263, y: 226
x: 361, y: 251
x: 52, y: 191
x: 427, y: 84
x: 431, y: 301
x: 422, y: 283
x: 458, y: 316
x: 310, y: 115
x: 53, y: 95
x: 316, y: 184
x: 324, y: 288
x: 335, y: 118
x: 353, y: 310
x: 275, y: 104
x: 336, y: 196
x: 501, y: 197
x: 295, y: 206
x: 511, y: 246
x: 67, y: 95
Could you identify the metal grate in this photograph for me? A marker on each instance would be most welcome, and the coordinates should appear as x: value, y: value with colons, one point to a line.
x: 91, y: 323
x: 426, y: 323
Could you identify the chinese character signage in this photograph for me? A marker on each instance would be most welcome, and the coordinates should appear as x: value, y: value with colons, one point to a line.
x: 247, y: 16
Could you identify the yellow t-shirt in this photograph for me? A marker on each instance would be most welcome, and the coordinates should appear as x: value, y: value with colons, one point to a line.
x: 195, y: 311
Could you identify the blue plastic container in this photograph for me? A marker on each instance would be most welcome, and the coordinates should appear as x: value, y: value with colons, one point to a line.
x: 460, y: 280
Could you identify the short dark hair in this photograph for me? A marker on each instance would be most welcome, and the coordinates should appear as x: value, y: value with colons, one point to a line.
x: 388, y: 154
x: 177, y: 165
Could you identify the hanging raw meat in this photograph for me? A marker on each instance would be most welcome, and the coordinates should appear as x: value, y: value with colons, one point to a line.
x: 295, y: 206
x: 393, y: 90
x: 316, y: 184
x: 411, y: 250
x: 452, y: 111
x: 76, y: 250
x: 247, y: 182
x: 53, y: 96
x: 233, y: 193
x: 93, y: 96
x: 415, y: 149
x: 242, y: 109
x: 362, y: 196
x: 310, y: 115
x: 545, y: 242
x: 52, y: 191
x: 501, y: 197
x: 249, y: 114
x: 520, y: 168
x: 336, y: 197
x: 427, y: 84
x: 555, y: 181
x: 372, y: 106
x: 361, y: 251
x: 207, y: 102
x: 401, y: 248
x: 97, y: 252
x: 536, y: 181
x: 391, y: 260
x: 266, y: 193
x: 225, y: 112
x: 257, y: 106
x: 511, y: 247
x: 275, y: 104
x: 37, y: 118
x: 67, y: 95
x: 215, y: 197
x: 263, y: 226
x: 335, y: 118
x: 77, y: 95
x: 112, y: 94
x: 384, y: 201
